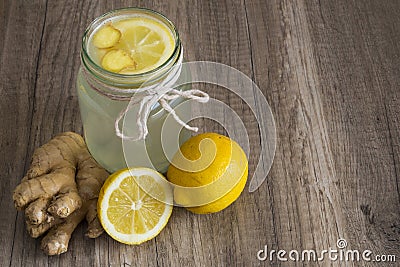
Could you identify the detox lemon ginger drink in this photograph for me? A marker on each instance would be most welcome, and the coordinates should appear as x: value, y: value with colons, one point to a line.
x: 122, y: 51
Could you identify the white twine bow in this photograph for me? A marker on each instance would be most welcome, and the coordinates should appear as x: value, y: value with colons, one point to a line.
x: 147, y: 97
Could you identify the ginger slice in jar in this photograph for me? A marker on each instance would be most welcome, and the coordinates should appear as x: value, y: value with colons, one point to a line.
x: 106, y: 37
x: 117, y: 60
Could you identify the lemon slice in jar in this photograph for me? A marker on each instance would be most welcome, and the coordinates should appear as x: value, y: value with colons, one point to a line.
x: 147, y: 42
x: 134, y: 205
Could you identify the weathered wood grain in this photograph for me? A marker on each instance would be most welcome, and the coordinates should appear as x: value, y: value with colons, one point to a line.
x: 20, y: 46
x: 303, y: 171
x: 358, y: 59
x: 330, y: 71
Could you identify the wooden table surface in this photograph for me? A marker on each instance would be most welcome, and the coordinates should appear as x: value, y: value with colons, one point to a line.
x: 331, y: 73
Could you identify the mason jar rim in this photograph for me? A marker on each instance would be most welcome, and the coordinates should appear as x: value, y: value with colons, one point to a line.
x: 88, y: 61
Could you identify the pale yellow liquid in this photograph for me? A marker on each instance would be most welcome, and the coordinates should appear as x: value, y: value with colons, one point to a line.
x: 98, y: 116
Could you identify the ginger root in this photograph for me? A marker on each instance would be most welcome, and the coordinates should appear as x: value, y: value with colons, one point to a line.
x: 59, y: 190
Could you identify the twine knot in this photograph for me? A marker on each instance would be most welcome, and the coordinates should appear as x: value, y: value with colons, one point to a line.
x: 162, y: 93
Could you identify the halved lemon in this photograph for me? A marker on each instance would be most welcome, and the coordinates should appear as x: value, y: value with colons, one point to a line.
x: 134, y: 205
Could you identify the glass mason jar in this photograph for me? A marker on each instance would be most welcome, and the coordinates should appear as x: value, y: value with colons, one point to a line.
x: 103, y: 95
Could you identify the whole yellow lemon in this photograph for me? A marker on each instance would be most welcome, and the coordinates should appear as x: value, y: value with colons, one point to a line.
x: 209, y: 172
